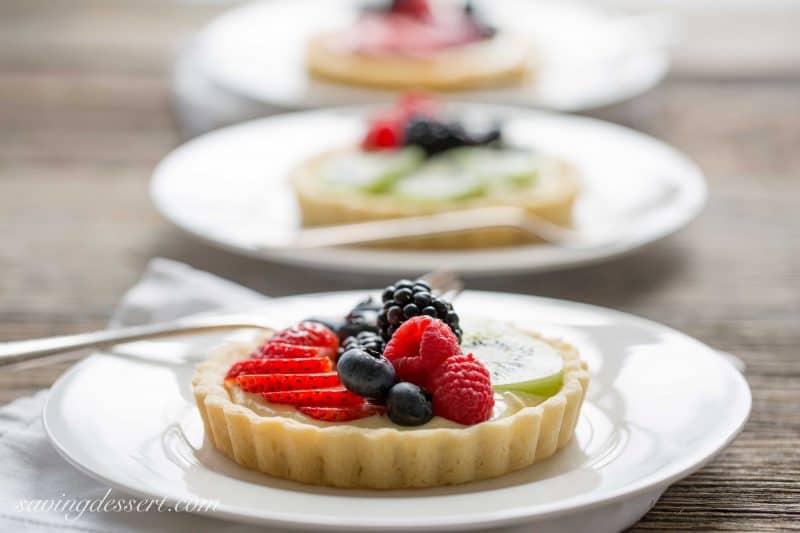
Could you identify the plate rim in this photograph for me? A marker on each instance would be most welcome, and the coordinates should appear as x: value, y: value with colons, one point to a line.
x: 651, y: 483
x: 693, y: 201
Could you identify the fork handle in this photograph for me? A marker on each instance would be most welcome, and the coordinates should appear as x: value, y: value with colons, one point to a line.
x: 18, y: 351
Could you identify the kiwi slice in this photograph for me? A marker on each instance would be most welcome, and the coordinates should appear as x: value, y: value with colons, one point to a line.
x: 516, y: 361
x: 440, y: 179
x: 373, y: 172
x: 501, y: 167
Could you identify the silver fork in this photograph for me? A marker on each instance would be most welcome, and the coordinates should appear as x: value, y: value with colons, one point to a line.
x: 378, y: 231
x: 443, y: 282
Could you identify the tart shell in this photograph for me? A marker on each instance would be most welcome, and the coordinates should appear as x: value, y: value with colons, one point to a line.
x: 502, y: 60
x: 320, y: 206
x: 342, y: 455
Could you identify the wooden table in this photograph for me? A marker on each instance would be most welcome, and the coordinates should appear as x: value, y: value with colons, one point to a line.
x: 84, y: 117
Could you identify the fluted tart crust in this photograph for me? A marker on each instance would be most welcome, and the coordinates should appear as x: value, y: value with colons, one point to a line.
x: 369, y: 454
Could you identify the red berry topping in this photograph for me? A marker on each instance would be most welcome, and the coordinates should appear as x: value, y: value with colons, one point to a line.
x: 419, y: 346
x: 332, y: 397
x: 282, y: 382
x: 415, y: 8
x: 385, y: 132
x: 270, y: 366
x: 418, y: 104
x: 462, y: 390
x: 342, y: 414
x: 283, y: 350
x: 308, y: 334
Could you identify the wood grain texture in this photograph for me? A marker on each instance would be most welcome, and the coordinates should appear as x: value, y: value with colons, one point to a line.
x: 84, y: 117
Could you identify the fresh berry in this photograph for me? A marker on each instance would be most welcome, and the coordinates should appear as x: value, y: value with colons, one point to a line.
x: 332, y: 397
x: 418, y: 104
x: 342, y: 414
x: 333, y: 324
x: 285, y: 382
x: 272, y: 349
x: 363, y: 317
x: 419, y: 346
x: 270, y: 366
x: 436, y: 137
x: 308, y: 334
x: 382, y: 135
x: 407, y: 299
x: 415, y: 8
x: 366, y: 340
x: 485, y: 30
x: 365, y: 374
x: 408, y: 405
x: 462, y: 390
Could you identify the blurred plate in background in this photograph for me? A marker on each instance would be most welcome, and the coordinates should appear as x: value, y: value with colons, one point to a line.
x: 230, y: 188
x: 586, y: 58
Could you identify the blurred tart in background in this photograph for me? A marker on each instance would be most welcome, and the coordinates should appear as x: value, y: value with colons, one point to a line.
x: 415, y: 160
x: 406, y: 44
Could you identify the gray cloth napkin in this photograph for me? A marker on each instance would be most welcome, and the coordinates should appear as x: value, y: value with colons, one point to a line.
x: 37, y: 485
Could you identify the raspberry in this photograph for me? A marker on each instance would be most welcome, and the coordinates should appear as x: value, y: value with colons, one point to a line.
x: 419, y: 346
x: 462, y: 390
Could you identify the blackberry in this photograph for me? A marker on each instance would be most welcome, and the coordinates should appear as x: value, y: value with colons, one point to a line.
x: 432, y: 136
x: 363, y: 317
x: 406, y: 299
x: 368, y: 341
x: 486, y: 30
x: 435, y: 137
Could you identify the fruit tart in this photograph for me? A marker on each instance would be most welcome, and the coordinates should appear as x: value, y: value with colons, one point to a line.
x: 417, y: 159
x: 398, y: 394
x: 404, y: 44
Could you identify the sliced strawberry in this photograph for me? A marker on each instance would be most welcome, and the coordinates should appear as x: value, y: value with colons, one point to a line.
x: 282, y: 350
x: 284, y: 382
x: 332, y: 397
x: 280, y: 365
x: 308, y: 334
x: 342, y: 414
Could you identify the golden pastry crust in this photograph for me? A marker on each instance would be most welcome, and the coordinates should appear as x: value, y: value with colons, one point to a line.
x: 342, y: 455
x: 501, y: 60
x: 551, y: 197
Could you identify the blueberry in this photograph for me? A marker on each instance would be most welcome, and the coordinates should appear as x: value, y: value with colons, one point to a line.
x: 410, y: 310
x: 364, y: 374
x: 394, y: 315
x: 407, y: 405
x: 422, y: 299
x: 403, y: 296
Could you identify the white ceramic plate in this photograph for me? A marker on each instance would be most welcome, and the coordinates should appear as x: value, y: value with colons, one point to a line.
x: 660, y: 405
x: 587, y: 58
x: 231, y: 188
